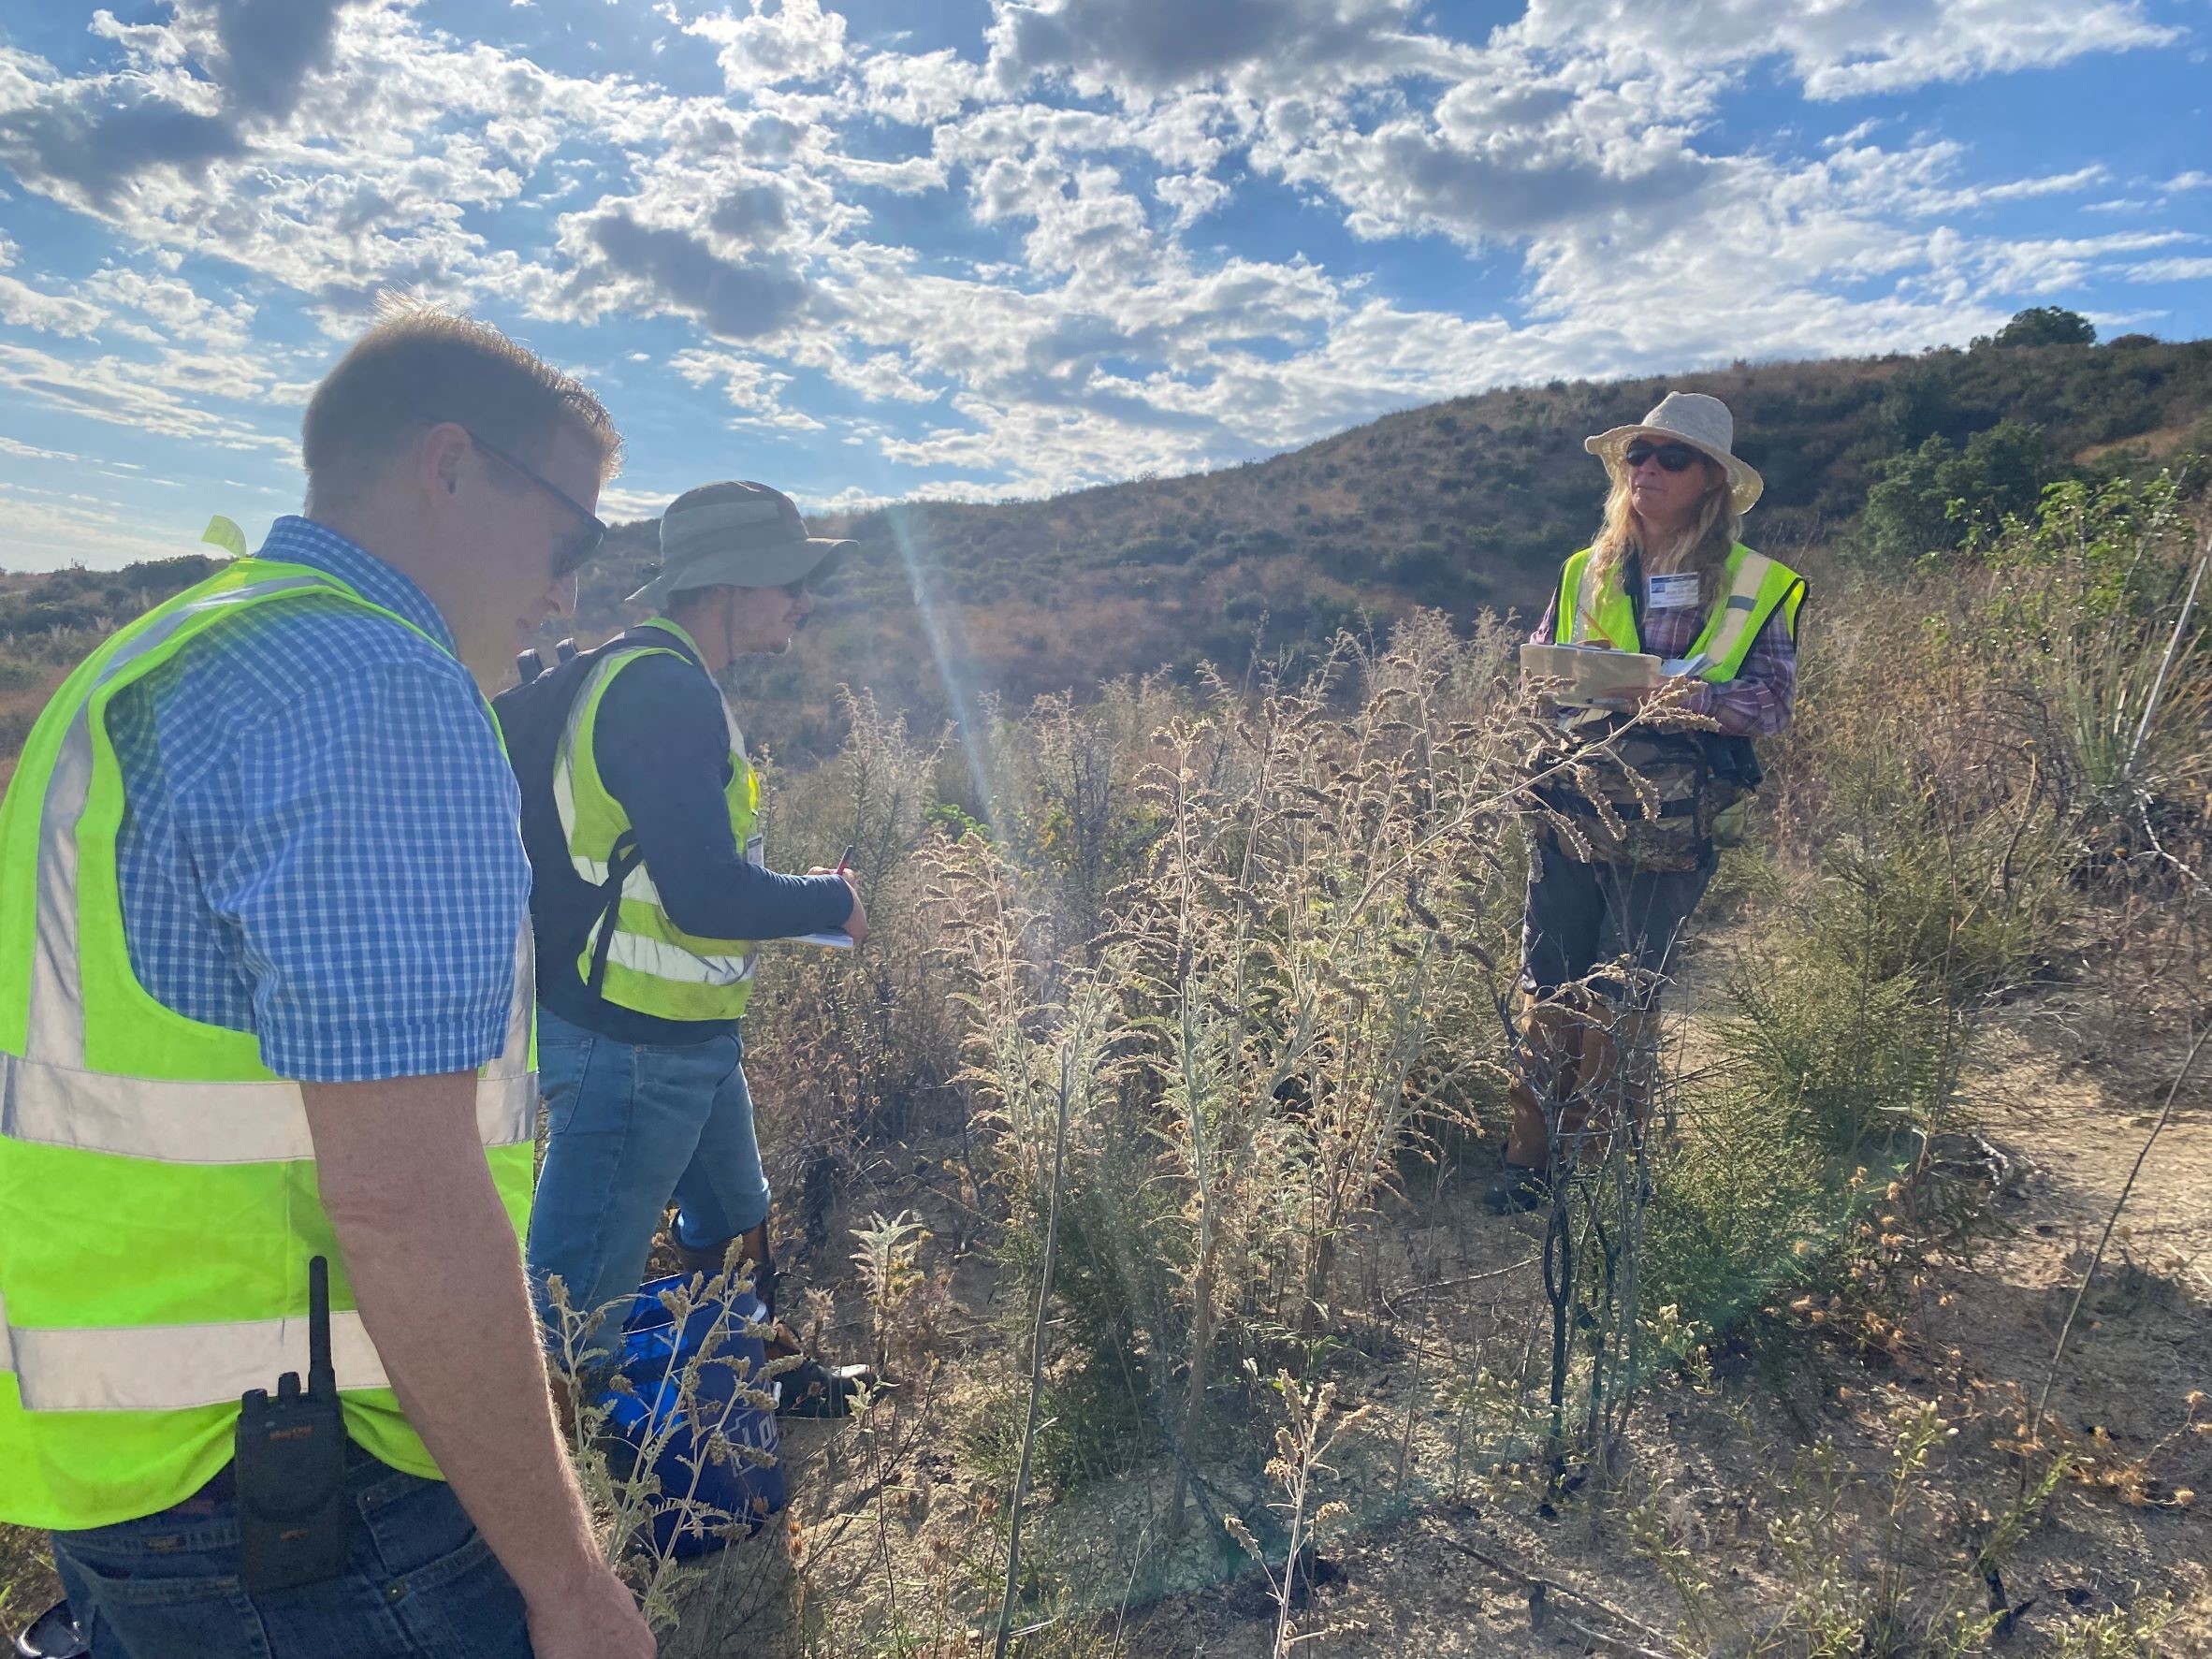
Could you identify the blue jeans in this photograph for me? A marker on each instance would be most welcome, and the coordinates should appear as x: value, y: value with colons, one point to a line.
x: 420, y: 1583
x: 630, y: 1128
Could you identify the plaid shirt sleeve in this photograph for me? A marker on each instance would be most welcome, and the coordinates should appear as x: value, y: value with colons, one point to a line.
x: 1759, y: 700
x: 1550, y: 623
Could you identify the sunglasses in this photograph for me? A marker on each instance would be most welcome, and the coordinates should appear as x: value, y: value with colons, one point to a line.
x: 1675, y: 458
x: 578, y: 551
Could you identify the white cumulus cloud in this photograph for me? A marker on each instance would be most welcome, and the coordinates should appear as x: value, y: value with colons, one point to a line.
x: 1092, y: 238
x: 777, y: 40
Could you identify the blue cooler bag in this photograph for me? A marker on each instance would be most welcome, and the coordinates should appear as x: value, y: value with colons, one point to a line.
x: 736, y: 1492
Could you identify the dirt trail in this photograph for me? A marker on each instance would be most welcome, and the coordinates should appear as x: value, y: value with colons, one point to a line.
x: 2069, y: 1101
x: 1444, y: 1289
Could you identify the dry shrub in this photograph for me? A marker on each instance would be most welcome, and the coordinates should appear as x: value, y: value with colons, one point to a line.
x: 841, y: 1048
x: 1301, y: 964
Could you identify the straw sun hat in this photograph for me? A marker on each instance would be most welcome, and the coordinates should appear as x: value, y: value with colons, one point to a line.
x: 1685, y: 417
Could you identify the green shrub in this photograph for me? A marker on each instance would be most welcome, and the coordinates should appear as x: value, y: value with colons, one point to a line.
x: 1159, y: 549
x: 2088, y: 611
x: 1934, y: 498
x: 2047, y: 325
x: 1730, y: 1207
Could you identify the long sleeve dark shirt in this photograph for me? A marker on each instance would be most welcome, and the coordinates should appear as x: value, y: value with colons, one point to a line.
x: 662, y: 745
x: 664, y: 752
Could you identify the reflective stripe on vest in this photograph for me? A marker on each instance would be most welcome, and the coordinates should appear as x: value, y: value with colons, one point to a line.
x: 173, y: 1367
x: 665, y: 961
x: 202, y: 1123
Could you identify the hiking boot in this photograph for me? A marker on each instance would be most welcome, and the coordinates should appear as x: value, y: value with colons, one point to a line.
x: 1516, y: 1189
x: 1546, y: 1059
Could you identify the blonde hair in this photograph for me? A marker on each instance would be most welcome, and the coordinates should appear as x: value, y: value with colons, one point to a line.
x: 1711, y: 537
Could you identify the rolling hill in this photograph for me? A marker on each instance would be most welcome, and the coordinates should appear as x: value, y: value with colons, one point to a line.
x: 1460, y: 505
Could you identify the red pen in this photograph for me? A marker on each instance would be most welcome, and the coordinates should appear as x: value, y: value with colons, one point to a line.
x: 844, y: 863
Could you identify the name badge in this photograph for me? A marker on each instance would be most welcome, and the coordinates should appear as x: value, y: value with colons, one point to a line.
x: 1674, y: 592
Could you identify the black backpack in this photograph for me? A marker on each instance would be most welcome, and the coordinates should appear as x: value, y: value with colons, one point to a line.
x: 532, y: 715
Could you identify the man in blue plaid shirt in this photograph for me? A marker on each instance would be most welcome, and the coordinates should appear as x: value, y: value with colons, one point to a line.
x: 320, y: 847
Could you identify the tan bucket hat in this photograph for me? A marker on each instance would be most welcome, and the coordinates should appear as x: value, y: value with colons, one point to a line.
x: 736, y: 534
x: 1685, y: 417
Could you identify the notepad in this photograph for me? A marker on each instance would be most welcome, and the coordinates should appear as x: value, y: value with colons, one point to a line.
x: 839, y: 940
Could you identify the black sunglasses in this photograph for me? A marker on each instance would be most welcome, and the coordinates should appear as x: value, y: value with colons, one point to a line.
x: 1675, y: 458
x: 571, y: 556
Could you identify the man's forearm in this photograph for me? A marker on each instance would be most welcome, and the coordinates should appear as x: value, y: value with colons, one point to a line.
x: 739, y: 900
x: 664, y: 753
x: 438, y: 1279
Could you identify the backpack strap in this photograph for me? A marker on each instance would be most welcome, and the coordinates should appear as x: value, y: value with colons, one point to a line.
x: 625, y: 858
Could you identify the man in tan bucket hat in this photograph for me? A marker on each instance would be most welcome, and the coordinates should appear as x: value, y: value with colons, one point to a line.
x: 651, y: 890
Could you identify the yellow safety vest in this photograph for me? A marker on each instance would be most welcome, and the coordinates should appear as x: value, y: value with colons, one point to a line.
x: 1757, y: 585
x: 158, y: 1203
x: 652, y: 966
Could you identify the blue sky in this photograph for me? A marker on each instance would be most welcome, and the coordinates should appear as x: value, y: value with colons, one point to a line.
x: 988, y: 248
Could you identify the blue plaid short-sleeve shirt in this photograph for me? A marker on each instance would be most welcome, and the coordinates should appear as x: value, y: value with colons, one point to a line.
x: 319, y: 841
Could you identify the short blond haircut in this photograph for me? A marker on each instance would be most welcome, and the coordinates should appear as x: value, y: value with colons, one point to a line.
x: 421, y: 365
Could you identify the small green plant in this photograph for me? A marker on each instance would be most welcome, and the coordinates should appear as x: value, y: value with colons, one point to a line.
x: 1863, y: 1554
x: 2132, y: 1631
x: 888, y: 1259
x: 1312, y: 1426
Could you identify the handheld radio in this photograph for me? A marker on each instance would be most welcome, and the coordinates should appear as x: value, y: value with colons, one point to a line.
x: 290, y: 1470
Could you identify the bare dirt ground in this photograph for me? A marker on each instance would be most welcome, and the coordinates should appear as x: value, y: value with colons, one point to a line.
x: 1443, y: 1553
x: 1989, y: 1319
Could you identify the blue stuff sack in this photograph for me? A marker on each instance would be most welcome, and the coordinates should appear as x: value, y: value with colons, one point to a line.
x: 734, y: 1492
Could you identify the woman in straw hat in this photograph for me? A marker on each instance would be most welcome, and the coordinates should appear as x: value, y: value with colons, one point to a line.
x: 1632, y: 786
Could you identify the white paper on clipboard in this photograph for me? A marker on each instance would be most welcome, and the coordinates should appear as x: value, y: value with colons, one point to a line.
x: 839, y: 940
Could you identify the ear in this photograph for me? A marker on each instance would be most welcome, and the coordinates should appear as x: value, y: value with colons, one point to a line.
x: 442, y: 457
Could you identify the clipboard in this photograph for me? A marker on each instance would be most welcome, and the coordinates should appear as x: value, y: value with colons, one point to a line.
x: 1584, y: 673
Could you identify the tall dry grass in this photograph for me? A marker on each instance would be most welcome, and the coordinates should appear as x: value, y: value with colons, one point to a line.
x: 1229, y: 966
